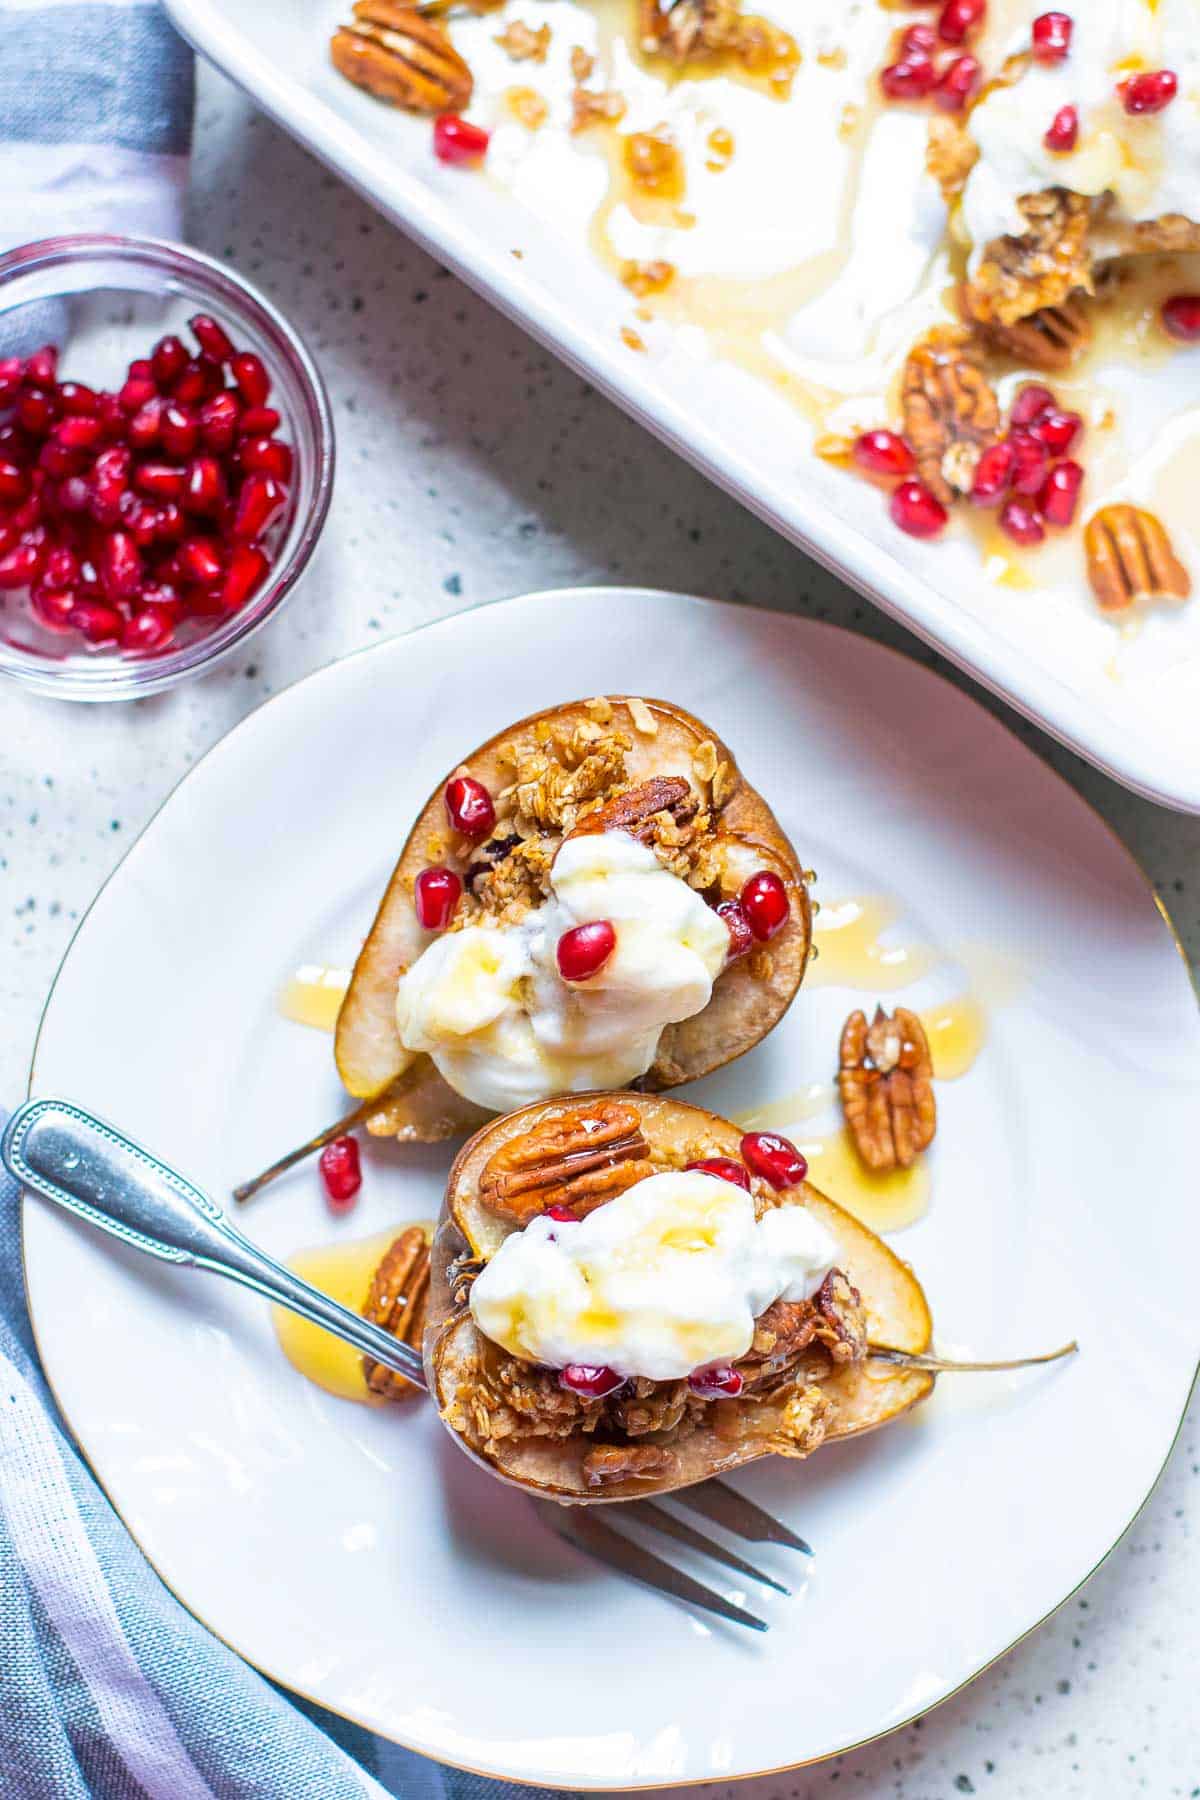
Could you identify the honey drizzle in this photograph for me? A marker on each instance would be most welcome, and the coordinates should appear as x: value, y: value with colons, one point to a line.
x: 343, y: 1271
x: 313, y: 996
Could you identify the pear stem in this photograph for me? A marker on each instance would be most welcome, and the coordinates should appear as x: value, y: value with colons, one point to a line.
x: 940, y: 1365
x: 365, y: 1110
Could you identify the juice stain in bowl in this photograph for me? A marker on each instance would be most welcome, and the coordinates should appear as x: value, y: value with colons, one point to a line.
x: 343, y: 1271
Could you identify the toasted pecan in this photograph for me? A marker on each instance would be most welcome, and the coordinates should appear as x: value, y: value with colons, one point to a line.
x: 1130, y: 557
x: 402, y: 57
x: 578, y: 1157
x: 396, y: 1301
x: 885, y: 1079
x: 633, y: 810
x: 1018, y: 276
x: 1050, y: 339
x: 605, y: 1464
x: 950, y: 411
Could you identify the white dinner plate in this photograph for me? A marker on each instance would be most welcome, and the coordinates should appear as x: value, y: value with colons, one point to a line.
x: 355, y: 1554
x: 1127, y: 698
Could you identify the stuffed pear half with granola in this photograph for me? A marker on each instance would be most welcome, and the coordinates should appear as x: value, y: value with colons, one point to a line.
x: 595, y: 898
x: 628, y: 1295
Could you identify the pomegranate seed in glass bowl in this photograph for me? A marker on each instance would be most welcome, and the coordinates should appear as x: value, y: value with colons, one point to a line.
x: 177, y: 448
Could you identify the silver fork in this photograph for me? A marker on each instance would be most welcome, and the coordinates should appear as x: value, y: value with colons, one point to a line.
x: 68, y: 1156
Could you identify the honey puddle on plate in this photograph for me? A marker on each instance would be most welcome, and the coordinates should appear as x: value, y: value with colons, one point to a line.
x: 851, y: 953
x: 314, y: 996
x: 343, y: 1271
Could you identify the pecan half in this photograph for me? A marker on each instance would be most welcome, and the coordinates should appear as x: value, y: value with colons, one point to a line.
x: 1129, y: 557
x: 885, y: 1081
x: 399, y: 55
x: 605, y: 1464
x: 578, y: 1158
x: 396, y: 1301
x: 634, y: 810
x: 682, y: 29
x: 1020, y: 275
x: 1050, y: 339
x: 950, y: 411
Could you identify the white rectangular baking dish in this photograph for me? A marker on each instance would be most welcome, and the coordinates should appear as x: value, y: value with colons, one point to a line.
x: 1129, y: 705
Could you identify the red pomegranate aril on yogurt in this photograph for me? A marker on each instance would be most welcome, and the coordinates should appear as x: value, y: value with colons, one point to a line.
x: 249, y: 371
x: 457, y: 141
x: 960, y: 19
x: 741, y: 938
x: 1149, y: 92
x: 561, y: 1215
x: 1021, y: 521
x: 764, y: 900
x: 260, y: 499
x: 718, y: 1382
x: 723, y: 1168
x: 1181, y: 318
x: 436, y: 894
x: 993, y: 474
x: 774, y: 1158
x: 591, y: 1381
x: 1031, y: 459
x: 918, y: 511
x: 1063, y: 133
x: 883, y: 453
x: 918, y: 40
x: 1060, y: 496
x: 912, y: 78
x: 957, y: 84
x: 341, y: 1172
x: 1058, y: 431
x: 248, y: 569
x: 583, y: 951
x: 469, y: 807
x: 1052, y: 37
x: 212, y: 338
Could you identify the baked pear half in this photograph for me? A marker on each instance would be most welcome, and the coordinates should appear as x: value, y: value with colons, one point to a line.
x: 646, y: 804
x: 808, y: 1377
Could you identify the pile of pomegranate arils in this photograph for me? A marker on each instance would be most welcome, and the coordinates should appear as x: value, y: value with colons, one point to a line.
x: 128, y: 517
x: 1029, y: 473
x: 931, y: 63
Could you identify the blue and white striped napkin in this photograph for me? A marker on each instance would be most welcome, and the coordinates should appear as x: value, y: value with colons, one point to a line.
x: 109, y: 1690
x: 95, y: 119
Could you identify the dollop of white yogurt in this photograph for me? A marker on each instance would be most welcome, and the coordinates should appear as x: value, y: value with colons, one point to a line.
x: 1150, y: 164
x: 664, y: 1279
x: 488, y: 1005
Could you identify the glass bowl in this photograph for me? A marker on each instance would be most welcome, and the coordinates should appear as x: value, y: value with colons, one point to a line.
x: 104, y: 301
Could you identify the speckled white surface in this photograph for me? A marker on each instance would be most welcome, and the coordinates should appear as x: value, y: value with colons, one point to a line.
x: 473, y: 466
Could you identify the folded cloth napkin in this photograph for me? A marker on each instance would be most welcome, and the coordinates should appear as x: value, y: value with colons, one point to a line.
x: 109, y: 1690
x: 95, y: 119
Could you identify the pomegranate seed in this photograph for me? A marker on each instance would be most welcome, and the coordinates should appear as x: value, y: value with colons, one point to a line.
x: 14, y: 484
x: 883, y: 453
x: 724, y: 1168
x: 12, y: 370
x: 918, y: 40
x: 171, y: 523
x: 341, y: 1172
x: 142, y: 431
x: 1059, y: 431
x: 150, y: 629
x: 219, y: 421
x: 1052, y: 36
x: 61, y: 569
x: 199, y: 561
x: 1148, y: 93
x: 1181, y: 317
x: 562, y: 1215
x: 135, y: 393
x: 1031, y: 459
x: 74, y: 495
x: 100, y: 624
x: 53, y: 607
x: 20, y: 567
x: 591, y: 1381
x: 456, y: 140
x: 112, y: 416
x: 141, y: 521
x: 764, y: 900
x: 910, y: 79
x: 75, y: 399
x: 741, y: 938
x: 436, y: 895
x: 29, y: 513
x: 41, y: 369
x: 915, y: 510
x: 993, y: 474
x: 248, y: 566
x: 58, y: 460
x: 1060, y: 496
x: 717, y: 1382
x: 260, y: 499
x: 191, y: 389
x: 258, y: 421
x: 267, y: 456
x: 1063, y: 134
x: 36, y: 412
x: 959, y: 19
x: 776, y: 1159
x: 958, y: 83
x: 211, y: 337
x: 178, y: 429
x: 120, y: 566
x: 252, y: 378
x: 168, y: 359
x: 162, y: 480
x: 469, y: 807
x: 205, y: 491
x: 82, y: 432
x: 162, y: 595
x: 1021, y: 522
x: 1031, y: 402
x: 583, y: 951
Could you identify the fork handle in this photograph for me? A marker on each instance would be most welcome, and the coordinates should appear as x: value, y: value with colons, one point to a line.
x: 88, y: 1167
